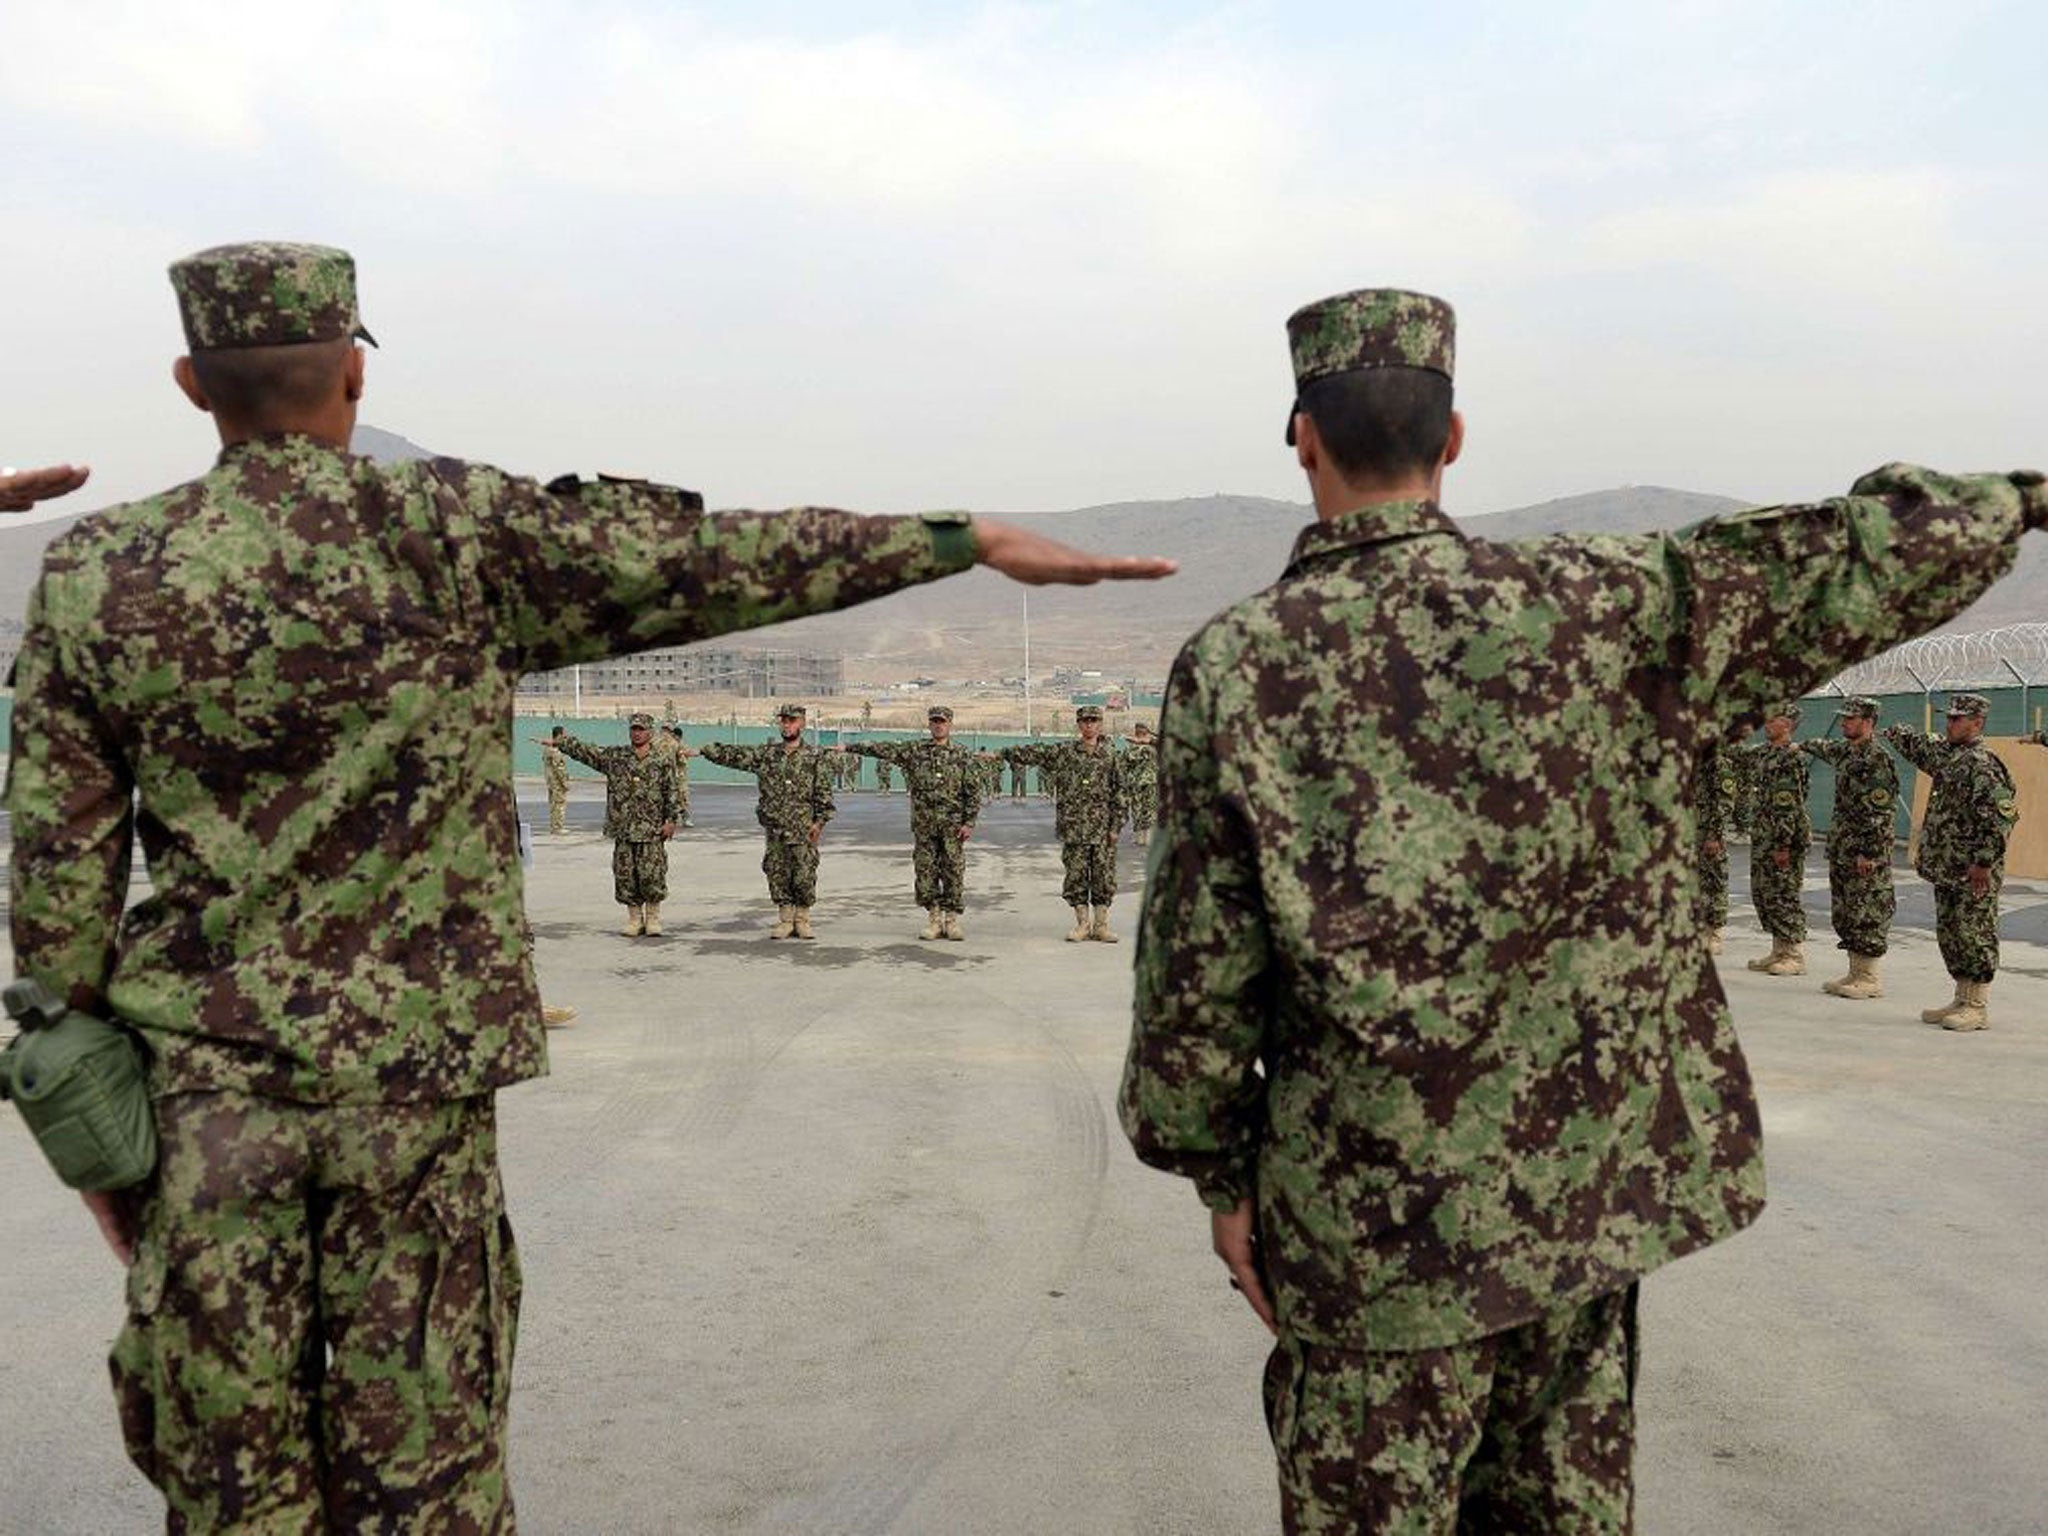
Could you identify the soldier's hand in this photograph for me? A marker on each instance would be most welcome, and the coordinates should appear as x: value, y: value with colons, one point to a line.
x: 118, y: 1213
x: 1866, y: 867
x: 1234, y: 1236
x: 1037, y: 561
x: 817, y: 832
x: 668, y: 830
x: 21, y: 489
x: 1711, y: 848
x: 966, y: 832
x: 1980, y: 880
x: 1782, y: 857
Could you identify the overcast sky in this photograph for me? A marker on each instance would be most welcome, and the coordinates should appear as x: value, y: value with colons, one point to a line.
x: 1036, y: 256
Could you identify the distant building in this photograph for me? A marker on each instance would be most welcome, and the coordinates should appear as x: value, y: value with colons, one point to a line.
x: 698, y: 669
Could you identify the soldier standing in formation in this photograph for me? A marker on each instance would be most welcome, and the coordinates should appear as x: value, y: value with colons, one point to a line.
x: 1970, y: 814
x: 1780, y: 829
x: 1444, y: 1124
x: 640, y: 816
x: 1018, y: 774
x: 1141, y: 782
x: 945, y: 782
x: 670, y: 744
x: 884, y: 780
x: 1088, y: 813
x: 555, y: 768
x: 335, y: 975
x: 794, y: 805
x: 1861, y: 830
x: 1713, y: 804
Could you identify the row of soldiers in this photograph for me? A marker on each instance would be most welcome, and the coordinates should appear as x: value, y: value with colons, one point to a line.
x: 1095, y: 789
x: 1971, y: 810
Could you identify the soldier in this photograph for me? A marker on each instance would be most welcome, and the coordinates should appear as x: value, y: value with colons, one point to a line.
x: 945, y: 798
x: 670, y: 744
x: 884, y: 779
x: 1018, y: 775
x: 640, y: 815
x: 554, y: 766
x: 1141, y: 782
x: 1970, y: 814
x: 1860, y: 835
x: 1714, y: 803
x: 1089, y: 798
x: 1780, y: 829
x: 795, y: 803
x: 1418, y: 981
x: 293, y: 677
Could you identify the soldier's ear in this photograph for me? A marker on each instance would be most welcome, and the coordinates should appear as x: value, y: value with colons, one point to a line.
x: 352, y: 381
x: 188, y: 381
x: 1455, y: 443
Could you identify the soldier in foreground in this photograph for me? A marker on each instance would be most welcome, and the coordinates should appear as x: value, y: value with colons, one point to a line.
x: 1141, y: 782
x: 1780, y: 828
x: 1970, y: 815
x: 945, y: 786
x: 1713, y: 805
x: 640, y: 816
x: 1861, y: 901
x: 1088, y: 812
x: 554, y: 767
x: 334, y: 975
x: 1422, y: 1006
x: 795, y: 803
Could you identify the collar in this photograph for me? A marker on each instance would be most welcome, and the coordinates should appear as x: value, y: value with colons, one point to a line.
x: 277, y: 442
x: 1381, y: 523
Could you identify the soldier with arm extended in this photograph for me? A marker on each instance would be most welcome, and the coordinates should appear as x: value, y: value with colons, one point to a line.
x: 945, y: 799
x: 1088, y: 811
x: 1779, y: 832
x: 1141, y: 782
x: 794, y: 804
x: 554, y: 766
x: 1861, y: 826
x: 1422, y: 1008
x: 639, y: 816
x: 292, y: 678
x: 1970, y: 815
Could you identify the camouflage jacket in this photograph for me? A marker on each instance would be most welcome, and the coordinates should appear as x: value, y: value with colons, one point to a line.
x: 640, y: 793
x: 555, y: 767
x: 944, y: 781
x: 1418, y: 966
x: 796, y: 786
x: 1714, y: 793
x: 1863, y: 823
x: 1778, y: 777
x: 293, y: 678
x: 1087, y: 787
x: 1971, y: 807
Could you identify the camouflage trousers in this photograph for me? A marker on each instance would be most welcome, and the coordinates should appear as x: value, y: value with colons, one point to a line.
x: 321, y: 1318
x: 640, y: 872
x: 1532, y: 1429
x: 1861, y: 907
x: 792, y: 871
x: 1091, y: 874
x: 1711, y: 898
x: 940, y: 860
x: 1776, y: 893
x: 1144, y: 812
x: 558, y: 807
x: 1966, y: 928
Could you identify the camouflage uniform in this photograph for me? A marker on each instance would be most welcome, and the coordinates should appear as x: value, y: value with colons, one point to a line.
x: 884, y: 781
x: 1018, y: 775
x: 795, y: 795
x: 1970, y: 814
x: 639, y: 802
x: 1713, y: 805
x: 1781, y: 821
x: 1419, y: 971
x: 1141, y: 788
x: 293, y: 678
x: 555, y: 768
x: 1089, y: 808
x: 1861, y: 826
x: 944, y: 781
x: 670, y: 746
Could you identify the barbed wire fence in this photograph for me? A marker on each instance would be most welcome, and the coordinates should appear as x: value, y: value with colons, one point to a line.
x: 2014, y: 656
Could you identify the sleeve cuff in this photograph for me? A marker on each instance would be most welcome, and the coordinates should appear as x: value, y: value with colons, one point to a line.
x: 2033, y: 489
x: 1225, y: 1191
x: 954, y: 545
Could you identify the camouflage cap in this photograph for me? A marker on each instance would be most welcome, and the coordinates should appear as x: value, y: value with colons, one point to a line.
x: 938, y: 712
x: 1368, y: 328
x: 1973, y: 706
x: 1786, y: 710
x: 1858, y: 708
x: 1088, y: 712
x: 641, y: 719
x: 267, y: 293
x: 792, y: 712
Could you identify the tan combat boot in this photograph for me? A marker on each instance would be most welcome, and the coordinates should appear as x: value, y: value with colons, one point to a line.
x: 1862, y: 981
x: 803, y: 922
x: 1791, y: 963
x: 1101, y: 933
x: 1082, y: 924
x: 935, y: 925
x: 556, y: 1018
x: 1765, y: 962
x: 636, y: 923
x: 787, y: 925
x: 652, y: 921
x: 1940, y: 1015
x: 1971, y: 1013
x: 953, y: 928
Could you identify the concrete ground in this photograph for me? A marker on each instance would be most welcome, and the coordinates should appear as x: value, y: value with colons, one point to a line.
x: 842, y: 1237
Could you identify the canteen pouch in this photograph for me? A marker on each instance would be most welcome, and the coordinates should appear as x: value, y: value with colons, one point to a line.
x: 82, y: 1087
